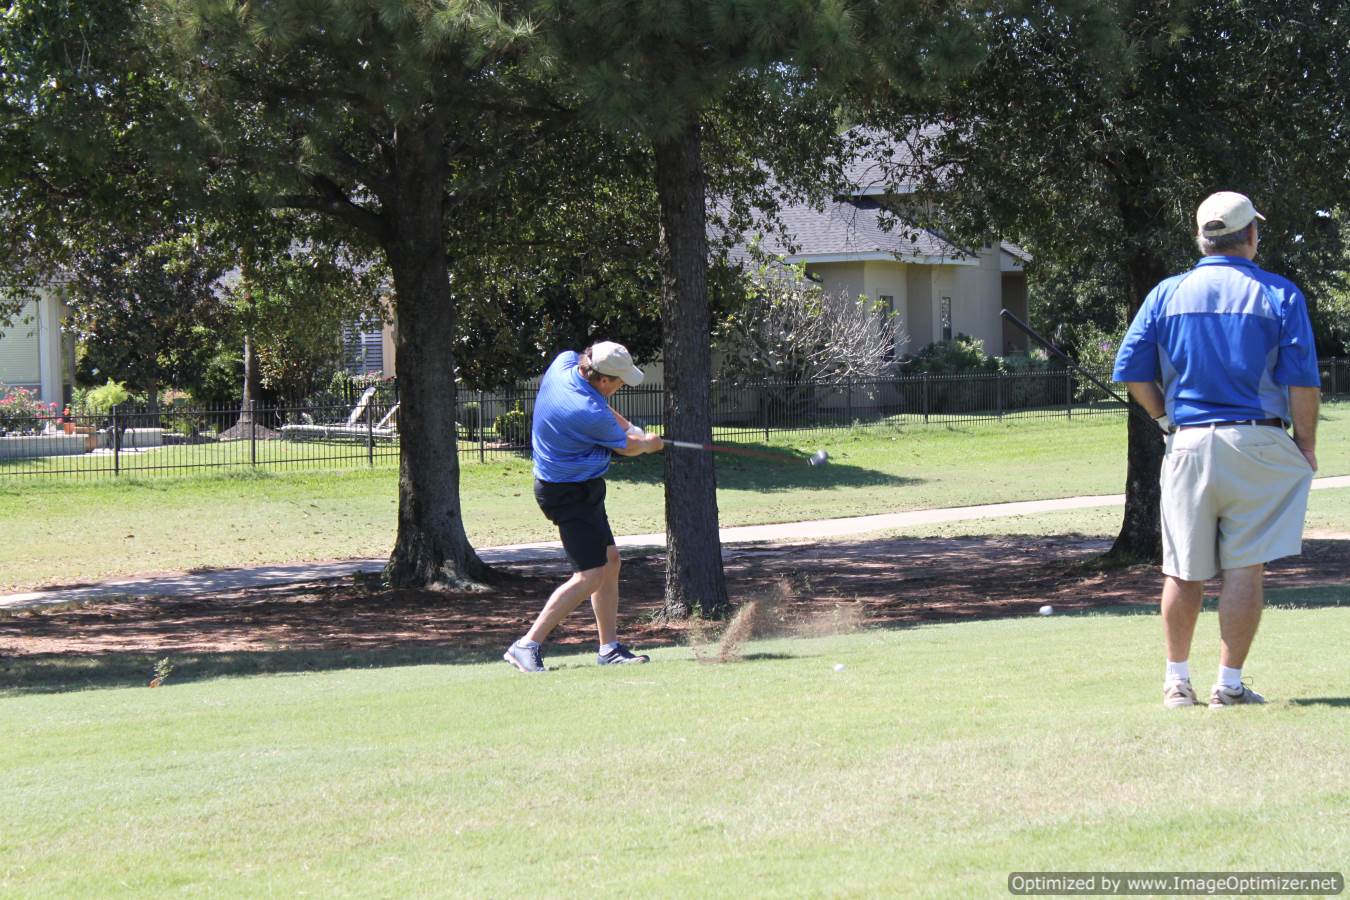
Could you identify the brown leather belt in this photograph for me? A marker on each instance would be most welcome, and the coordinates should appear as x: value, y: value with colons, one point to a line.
x: 1278, y: 423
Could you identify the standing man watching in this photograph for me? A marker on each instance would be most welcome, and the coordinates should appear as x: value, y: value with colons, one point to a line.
x: 575, y: 429
x: 1233, y: 347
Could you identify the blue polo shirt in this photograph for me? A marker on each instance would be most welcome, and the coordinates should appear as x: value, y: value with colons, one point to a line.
x: 574, y: 429
x: 1226, y: 339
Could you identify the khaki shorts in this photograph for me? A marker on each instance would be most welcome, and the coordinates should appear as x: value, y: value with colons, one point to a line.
x: 1232, y: 496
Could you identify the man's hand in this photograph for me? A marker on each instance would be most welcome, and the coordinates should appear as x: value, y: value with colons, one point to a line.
x: 640, y: 442
x: 1304, y: 405
x: 1311, y: 456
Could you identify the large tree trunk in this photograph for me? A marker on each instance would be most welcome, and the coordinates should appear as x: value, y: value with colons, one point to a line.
x: 432, y: 549
x: 694, y: 576
x: 1140, y: 537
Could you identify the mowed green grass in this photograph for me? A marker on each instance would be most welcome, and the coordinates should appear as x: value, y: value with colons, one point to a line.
x: 1328, y: 514
x: 937, y: 761
x: 54, y: 532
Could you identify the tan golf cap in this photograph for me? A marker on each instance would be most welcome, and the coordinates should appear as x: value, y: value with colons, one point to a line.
x: 1224, y: 213
x: 609, y: 358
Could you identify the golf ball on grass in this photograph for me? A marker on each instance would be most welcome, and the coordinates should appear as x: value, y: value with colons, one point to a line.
x: 839, y: 667
x: 1047, y: 610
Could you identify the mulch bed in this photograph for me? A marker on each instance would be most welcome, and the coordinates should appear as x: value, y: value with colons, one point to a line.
x: 877, y: 583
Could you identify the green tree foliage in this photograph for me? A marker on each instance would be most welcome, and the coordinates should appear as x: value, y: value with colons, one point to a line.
x: 571, y: 259
x: 301, y: 293
x: 1093, y: 131
x: 145, y: 311
x: 80, y: 164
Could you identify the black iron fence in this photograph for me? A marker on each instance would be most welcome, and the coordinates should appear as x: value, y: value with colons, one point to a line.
x: 363, y: 429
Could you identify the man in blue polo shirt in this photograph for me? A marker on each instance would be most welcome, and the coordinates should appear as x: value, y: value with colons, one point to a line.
x: 1233, y: 348
x: 575, y: 433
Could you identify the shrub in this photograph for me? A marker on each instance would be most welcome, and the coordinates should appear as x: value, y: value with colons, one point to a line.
x: 513, y: 427
x: 1032, y: 381
x: 21, y: 410
x: 468, y: 417
x: 101, y: 400
x: 963, y: 355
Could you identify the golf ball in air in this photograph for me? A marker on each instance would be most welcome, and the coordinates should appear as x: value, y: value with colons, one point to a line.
x: 1047, y: 610
x: 839, y: 667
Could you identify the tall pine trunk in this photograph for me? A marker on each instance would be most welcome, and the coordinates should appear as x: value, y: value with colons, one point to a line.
x: 694, y: 576
x: 432, y: 548
x: 1140, y: 537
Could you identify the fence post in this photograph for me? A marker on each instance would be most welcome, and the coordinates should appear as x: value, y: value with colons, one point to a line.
x: 848, y: 403
x: 925, y: 398
x: 1068, y: 393
x: 116, y: 442
x: 370, y: 432
x: 482, y: 449
x: 998, y: 392
x: 764, y: 406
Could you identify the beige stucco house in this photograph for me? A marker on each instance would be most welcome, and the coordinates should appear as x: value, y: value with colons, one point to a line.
x: 35, y: 352
x: 936, y: 288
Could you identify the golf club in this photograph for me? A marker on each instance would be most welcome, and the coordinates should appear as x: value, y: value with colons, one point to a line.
x: 1129, y: 404
x: 819, y: 458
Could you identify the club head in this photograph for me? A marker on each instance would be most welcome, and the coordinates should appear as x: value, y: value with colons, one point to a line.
x: 819, y: 458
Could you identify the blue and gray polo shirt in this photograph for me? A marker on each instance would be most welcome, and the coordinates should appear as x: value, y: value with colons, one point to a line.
x: 1227, y: 339
x: 573, y: 430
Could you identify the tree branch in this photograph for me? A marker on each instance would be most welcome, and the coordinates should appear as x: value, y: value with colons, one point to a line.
x: 330, y: 199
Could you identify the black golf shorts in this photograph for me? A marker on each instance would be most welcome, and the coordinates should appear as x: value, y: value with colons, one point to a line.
x: 578, y: 509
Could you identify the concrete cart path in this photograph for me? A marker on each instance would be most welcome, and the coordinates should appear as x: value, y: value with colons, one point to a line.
x: 214, y: 580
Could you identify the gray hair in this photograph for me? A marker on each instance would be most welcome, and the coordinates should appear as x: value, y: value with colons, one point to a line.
x: 1219, y: 246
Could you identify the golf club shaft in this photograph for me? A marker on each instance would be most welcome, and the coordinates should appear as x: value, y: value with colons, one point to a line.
x: 1032, y: 333
x: 738, y: 451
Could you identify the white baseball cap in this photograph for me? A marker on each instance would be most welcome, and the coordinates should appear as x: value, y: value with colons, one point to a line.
x: 1224, y: 213
x: 609, y: 358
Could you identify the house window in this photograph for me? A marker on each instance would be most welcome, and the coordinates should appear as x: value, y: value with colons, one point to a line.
x: 946, y: 318
x: 887, y: 325
x: 363, y: 348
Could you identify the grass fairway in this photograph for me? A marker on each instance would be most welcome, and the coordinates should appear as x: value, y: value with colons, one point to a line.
x: 55, y: 531
x: 937, y: 761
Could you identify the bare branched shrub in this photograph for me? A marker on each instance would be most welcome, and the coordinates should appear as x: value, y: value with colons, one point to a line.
x: 791, y: 329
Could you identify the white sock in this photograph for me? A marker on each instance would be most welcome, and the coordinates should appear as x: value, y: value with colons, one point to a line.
x: 609, y: 648
x: 526, y: 644
x: 1178, y: 671
x: 1230, y: 678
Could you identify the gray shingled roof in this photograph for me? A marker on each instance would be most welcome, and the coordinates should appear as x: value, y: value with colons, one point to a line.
x: 850, y: 225
x: 884, y: 164
x: 853, y: 226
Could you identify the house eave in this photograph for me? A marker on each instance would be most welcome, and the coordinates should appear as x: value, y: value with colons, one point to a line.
x: 878, y: 256
x: 880, y: 190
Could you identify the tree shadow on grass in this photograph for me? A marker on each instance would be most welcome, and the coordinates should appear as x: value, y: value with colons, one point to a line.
x: 64, y: 672
x: 787, y: 472
x: 1321, y: 701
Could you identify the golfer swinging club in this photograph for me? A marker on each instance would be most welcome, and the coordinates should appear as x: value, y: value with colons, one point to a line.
x: 574, y: 431
x: 1234, y: 349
